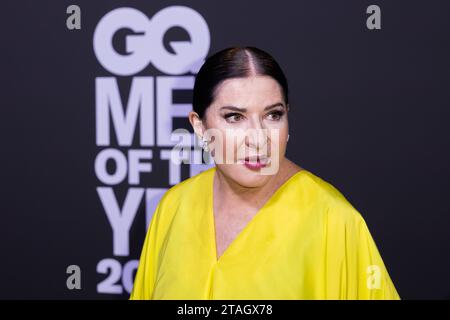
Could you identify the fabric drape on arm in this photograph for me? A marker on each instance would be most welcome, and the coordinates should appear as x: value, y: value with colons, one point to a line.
x: 146, y: 274
x: 354, y: 268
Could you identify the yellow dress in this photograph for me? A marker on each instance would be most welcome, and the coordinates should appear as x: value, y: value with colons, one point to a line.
x: 306, y: 242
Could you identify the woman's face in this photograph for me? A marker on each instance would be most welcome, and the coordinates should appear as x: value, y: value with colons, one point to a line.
x: 250, y: 115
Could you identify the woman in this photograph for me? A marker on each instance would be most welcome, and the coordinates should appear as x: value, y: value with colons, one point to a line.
x: 236, y: 232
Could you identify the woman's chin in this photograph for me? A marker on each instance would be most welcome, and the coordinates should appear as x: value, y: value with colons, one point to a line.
x: 248, y: 177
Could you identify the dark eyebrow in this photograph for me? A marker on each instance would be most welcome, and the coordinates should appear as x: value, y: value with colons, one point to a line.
x: 244, y: 109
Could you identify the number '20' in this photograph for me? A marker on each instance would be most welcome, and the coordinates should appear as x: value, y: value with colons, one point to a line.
x: 117, y: 278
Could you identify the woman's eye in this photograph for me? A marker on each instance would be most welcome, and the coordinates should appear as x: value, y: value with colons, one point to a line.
x: 276, y: 115
x: 233, y: 117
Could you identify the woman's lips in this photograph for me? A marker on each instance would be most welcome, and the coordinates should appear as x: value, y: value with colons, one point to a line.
x: 255, y: 163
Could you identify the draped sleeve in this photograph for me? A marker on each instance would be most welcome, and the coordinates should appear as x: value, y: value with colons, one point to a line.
x: 145, y: 276
x: 354, y: 267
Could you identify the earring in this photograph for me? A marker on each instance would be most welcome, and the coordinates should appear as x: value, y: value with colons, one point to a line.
x: 287, y: 138
x: 205, y: 144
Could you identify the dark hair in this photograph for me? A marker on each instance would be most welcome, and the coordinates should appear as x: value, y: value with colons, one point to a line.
x: 233, y: 62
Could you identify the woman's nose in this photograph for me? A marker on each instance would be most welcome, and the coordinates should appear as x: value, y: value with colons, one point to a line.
x: 256, y: 136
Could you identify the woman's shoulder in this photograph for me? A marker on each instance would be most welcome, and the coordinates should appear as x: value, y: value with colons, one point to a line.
x: 334, y: 203
x: 188, y: 188
x: 185, y: 194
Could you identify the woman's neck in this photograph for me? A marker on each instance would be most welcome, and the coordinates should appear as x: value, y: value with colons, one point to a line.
x: 231, y: 194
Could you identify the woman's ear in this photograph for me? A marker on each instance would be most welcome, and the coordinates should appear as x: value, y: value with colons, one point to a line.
x: 196, y: 123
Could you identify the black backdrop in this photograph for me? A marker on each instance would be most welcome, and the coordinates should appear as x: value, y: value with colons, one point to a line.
x: 370, y: 113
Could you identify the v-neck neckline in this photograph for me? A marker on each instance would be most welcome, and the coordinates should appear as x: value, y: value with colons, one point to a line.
x: 246, y: 228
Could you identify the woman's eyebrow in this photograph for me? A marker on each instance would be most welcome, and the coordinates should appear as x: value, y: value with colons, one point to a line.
x: 244, y: 109
x: 274, y: 105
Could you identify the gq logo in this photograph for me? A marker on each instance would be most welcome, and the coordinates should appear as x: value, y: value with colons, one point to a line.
x: 148, y: 111
x: 146, y: 44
